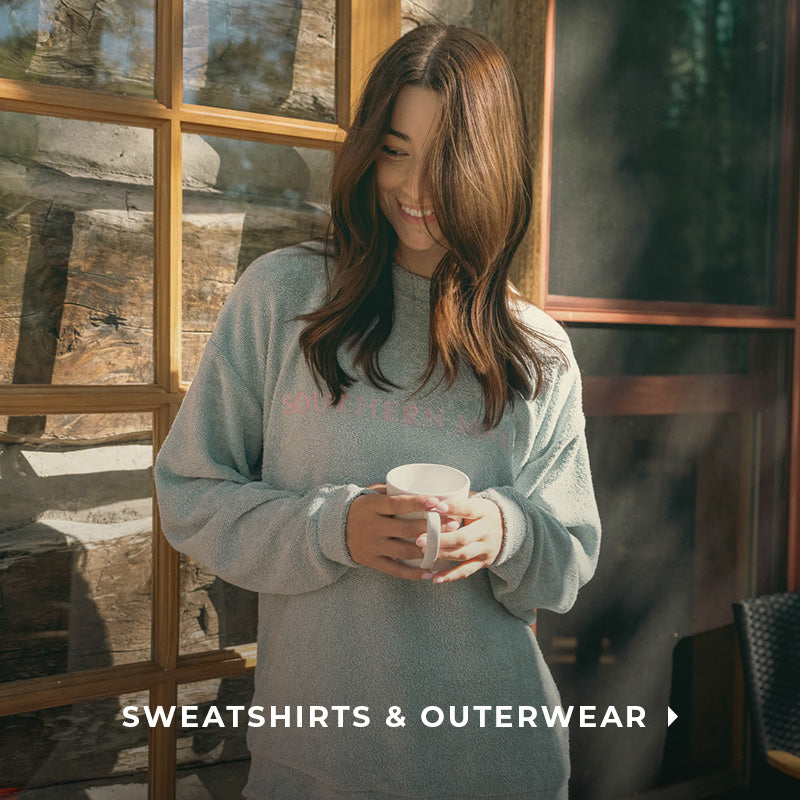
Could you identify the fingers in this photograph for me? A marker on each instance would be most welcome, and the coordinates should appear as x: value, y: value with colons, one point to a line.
x: 401, y: 548
x: 463, y: 570
x: 405, y: 504
x: 398, y: 570
x: 473, y: 550
x: 474, y: 545
x: 454, y: 539
x: 377, y: 538
x: 467, y: 509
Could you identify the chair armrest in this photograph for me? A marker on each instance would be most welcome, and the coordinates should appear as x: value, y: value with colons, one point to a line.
x: 785, y: 762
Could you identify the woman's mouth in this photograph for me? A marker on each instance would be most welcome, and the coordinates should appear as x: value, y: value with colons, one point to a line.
x: 416, y: 216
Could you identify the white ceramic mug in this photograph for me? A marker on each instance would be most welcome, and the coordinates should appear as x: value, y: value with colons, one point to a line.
x: 436, y: 480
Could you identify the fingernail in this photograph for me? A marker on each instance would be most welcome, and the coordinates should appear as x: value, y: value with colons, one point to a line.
x: 427, y: 575
x: 441, y: 508
x: 422, y: 540
x: 452, y: 526
x: 431, y: 502
x: 438, y: 579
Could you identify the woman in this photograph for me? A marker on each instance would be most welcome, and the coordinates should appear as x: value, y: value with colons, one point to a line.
x: 396, y: 340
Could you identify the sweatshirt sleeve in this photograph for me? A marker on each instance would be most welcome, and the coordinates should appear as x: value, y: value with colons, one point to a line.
x: 550, y: 519
x: 212, y: 504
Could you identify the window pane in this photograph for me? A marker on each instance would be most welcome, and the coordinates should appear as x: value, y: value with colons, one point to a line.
x: 214, y: 614
x: 60, y: 753
x: 76, y: 544
x: 86, y: 44
x: 274, y: 57
x: 76, y: 251
x: 666, y: 150
x: 694, y: 511
x: 240, y: 200
x: 447, y: 12
x: 212, y: 750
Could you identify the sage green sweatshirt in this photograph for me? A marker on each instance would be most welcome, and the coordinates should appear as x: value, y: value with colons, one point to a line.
x: 254, y: 481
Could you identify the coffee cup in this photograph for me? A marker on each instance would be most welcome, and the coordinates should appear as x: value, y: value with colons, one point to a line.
x: 436, y: 480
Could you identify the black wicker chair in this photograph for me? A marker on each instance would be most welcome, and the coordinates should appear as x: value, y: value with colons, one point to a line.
x: 769, y: 638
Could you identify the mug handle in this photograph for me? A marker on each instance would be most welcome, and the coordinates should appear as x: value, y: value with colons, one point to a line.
x: 432, y: 545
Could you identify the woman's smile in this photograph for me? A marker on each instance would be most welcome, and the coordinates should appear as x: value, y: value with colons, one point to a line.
x: 398, y: 180
x: 416, y: 216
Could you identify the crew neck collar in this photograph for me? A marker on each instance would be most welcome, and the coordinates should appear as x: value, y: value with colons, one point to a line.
x: 410, y: 283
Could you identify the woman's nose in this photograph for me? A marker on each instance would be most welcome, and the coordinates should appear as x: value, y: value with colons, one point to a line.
x: 413, y: 183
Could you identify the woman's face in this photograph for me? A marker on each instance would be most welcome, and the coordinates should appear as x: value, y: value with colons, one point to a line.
x: 397, y: 180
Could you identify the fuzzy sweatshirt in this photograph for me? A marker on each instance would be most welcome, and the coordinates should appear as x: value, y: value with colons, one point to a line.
x: 254, y: 481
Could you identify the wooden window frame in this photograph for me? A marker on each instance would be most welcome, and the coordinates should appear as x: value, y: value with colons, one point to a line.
x: 364, y: 28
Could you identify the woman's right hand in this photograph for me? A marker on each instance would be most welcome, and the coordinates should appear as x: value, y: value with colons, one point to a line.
x: 376, y: 539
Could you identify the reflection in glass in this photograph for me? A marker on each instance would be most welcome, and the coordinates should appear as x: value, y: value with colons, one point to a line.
x: 76, y: 249
x: 447, y: 12
x: 208, y: 751
x: 666, y: 150
x: 75, y: 537
x: 270, y: 57
x: 240, y: 200
x: 694, y: 517
x: 75, y: 748
x: 214, y: 614
x: 86, y: 44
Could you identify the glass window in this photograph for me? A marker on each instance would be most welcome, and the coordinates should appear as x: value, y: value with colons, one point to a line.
x: 666, y: 150
x: 448, y: 12
x: 81, y: 43
x: 694, y: 511
x: 76, y: 539
x: 76, y: 751
x: 272, y: 57
x: 241, y: 199
x: 214, y: 755
x: 76, y: 251
x: 214, y: 614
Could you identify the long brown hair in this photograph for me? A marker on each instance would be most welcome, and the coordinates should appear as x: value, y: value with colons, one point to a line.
x: 477, y: 174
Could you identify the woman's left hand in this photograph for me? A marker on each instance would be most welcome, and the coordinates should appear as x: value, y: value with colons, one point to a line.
x: 475, y: 544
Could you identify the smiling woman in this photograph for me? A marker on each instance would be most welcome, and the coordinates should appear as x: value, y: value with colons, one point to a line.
x: 388, y: 343
x: 440, y: 127
x: 398, y: 180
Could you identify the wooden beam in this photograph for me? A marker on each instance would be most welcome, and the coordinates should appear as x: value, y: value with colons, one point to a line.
x: 364, y: 29
x: 541, y: 284
x: 669, y: 394
x: 162, y: 746
x: 602, y: 312
x: 260, y: 127
x: 521, y: 28
x: 793, y: 534
x: 218, y: 663
x: 94, y: 684
x: 77, y: 687
x: 166, y: 573
x: 27, y: 399
x: 63, y: 101
x: 167, y: 232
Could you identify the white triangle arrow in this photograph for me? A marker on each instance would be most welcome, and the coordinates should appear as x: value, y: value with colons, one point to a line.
x: 671, y: 716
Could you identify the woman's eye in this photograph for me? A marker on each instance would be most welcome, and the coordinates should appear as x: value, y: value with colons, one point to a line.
x: 391, y: 152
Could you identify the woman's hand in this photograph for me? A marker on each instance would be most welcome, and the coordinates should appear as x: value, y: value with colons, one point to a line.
x: 476, y: 544
x: 375, y: 539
